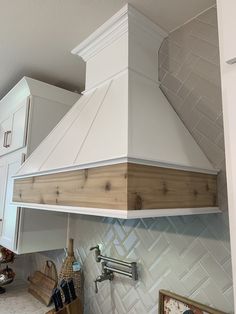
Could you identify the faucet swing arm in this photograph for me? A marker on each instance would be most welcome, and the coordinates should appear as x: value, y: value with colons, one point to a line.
x: 118, y: 271
x: 109, y: 270
x: 116, y: 261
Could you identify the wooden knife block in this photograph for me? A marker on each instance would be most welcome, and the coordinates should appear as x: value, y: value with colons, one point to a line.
x: 75, y: 307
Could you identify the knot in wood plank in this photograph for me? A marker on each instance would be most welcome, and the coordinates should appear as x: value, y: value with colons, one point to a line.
x: 85, y: 174
x: 165, y: 190
x: 57, y: 191
x: 138, y: 202
x: 108, y: 186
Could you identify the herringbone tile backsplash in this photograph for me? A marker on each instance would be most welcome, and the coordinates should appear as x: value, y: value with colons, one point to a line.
x: 189, y: 255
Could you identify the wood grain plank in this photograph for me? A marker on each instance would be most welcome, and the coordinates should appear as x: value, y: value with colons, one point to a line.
x: 100, y: 187
x: 155, y: 187
x: 124, y: 186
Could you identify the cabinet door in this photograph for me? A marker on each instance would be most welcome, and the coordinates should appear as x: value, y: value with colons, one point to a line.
x: 11, y: 212
x: 5, y: 135
x: 13, y: 130
x: 19, y: 126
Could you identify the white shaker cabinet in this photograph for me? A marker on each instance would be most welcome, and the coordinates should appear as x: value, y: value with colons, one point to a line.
x: 28, y: 113
x: 14, y: 128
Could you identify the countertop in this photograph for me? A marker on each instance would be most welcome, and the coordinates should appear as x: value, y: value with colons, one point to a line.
x: 17, y: 300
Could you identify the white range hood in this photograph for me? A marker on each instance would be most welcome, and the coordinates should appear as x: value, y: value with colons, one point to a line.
x: 122, y: 117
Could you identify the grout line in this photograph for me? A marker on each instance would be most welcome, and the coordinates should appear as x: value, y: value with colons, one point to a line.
x: 204, y: 22
x: 227, y: 286
x: 203, y: 39
x: 192, y: 18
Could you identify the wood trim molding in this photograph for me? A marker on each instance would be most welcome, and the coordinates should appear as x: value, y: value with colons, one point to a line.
x: 124, y: 186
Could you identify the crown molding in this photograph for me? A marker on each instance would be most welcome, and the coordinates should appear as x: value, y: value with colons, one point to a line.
x: 123, y: 22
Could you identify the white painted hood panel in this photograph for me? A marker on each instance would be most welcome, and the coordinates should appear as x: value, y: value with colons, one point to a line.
x: 123, y: 113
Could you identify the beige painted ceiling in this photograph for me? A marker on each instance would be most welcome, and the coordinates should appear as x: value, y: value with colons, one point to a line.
x: 36, y: 36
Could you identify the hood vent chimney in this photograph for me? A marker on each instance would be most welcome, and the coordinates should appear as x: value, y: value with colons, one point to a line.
x: 121, y: 151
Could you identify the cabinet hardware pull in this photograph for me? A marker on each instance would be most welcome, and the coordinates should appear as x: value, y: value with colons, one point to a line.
x: 7, y: 133
x: 4, y: 140
x: 23, y: 158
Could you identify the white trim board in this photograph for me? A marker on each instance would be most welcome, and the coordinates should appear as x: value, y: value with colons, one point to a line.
x: 115, y: 213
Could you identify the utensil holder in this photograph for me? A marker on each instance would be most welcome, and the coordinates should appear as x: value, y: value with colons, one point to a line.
x: 67, y: 271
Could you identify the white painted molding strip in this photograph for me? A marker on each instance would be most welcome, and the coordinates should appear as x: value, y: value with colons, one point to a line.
x: 124, y: 214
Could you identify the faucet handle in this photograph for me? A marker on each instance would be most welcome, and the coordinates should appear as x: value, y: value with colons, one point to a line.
x: 96, y: 286
x: 97, y: 252
x: 94, y: 248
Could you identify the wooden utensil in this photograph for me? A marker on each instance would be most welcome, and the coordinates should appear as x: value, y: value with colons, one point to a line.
x: 41, y: 285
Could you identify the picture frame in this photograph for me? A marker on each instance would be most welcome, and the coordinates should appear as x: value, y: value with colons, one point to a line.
x: 172, y: 303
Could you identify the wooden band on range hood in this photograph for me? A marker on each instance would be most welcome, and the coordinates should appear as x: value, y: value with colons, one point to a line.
x: 125, y: 186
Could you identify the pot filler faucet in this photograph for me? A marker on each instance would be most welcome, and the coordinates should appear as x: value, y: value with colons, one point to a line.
x: 109, y: 270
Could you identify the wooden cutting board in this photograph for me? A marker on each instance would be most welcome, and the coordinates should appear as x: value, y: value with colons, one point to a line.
x: 75, y: 307
x: 41, y: 287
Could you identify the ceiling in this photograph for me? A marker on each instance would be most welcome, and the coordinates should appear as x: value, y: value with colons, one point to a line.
x: 36, y: 36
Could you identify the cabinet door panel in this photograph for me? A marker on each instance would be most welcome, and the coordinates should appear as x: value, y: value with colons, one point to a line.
x: 11, y: 212
x: 19, y: 127
x: 5, y: 135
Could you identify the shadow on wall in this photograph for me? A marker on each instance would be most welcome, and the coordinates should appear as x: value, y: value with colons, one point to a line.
x: 211, y: 226
x: 189, y: 75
